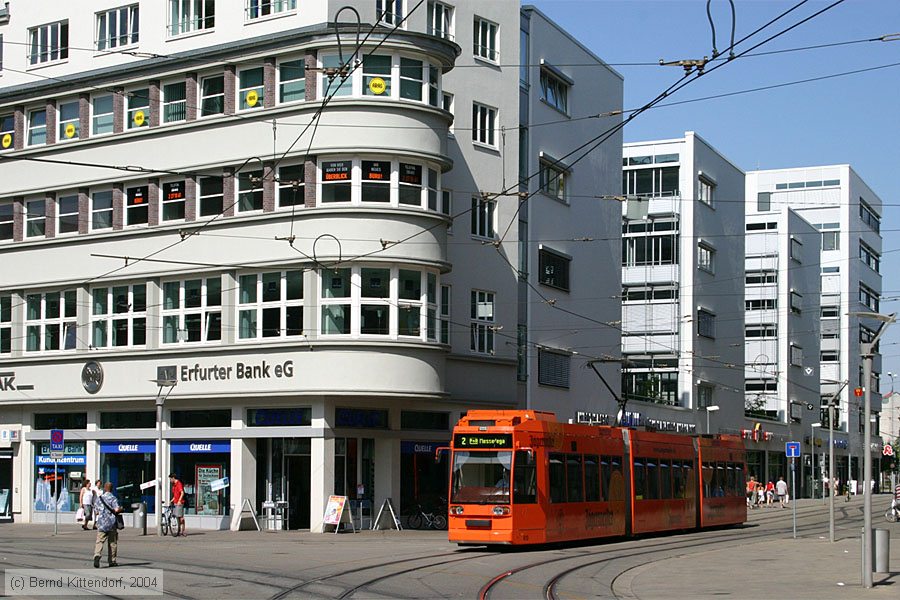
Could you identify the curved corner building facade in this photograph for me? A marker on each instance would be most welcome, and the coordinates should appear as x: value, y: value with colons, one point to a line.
x: 331, y: 266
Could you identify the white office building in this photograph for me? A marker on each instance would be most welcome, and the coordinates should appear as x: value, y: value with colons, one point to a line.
x: 329, y: 287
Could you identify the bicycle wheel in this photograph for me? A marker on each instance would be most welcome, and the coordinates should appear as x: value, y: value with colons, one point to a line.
x: 440, y: 522
x: 164, y: 524
x: 415, y: 521
x: 173, y: 525
x: 891, y: 515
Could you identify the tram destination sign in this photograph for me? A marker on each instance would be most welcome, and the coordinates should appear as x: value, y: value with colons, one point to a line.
x: 482, y: 440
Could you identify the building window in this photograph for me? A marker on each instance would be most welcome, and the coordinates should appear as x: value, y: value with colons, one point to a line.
x: 35, y: 218
x: 174, y: 102
x: 870, y: 257
x: 336, y: 177
x: 761, y: 277
x: 649, y: 250
x: 553, y: 368
x: 657, y: 181
x: 336, y: 302
x: 484, y: 124
x: 553, y: 180
x: 761, y: 226
x: 257, y: 9
x: 763, y: 330
x: 707, y: 191
x: 762, y: 304
x: 831, y: 312
x: 554, y: 91
x: 434, y: 85
x: 447, y: 104
x: 796, y: 356
x: 760, y: 385
x: 250, y: 88
x: 830, y: 355
x: 5, y: 324
x: 67, y: 214
x: 291, y: 186
x: 250, y: 191
x: 432, y: 190
x: 869, y: 216
x: 7, y: 218
x: 485, y: 37
x: 336, y: 84
x: 137, y: 211
x: 411, y: 79
x: 410, y: 184
x: 869, y: 297
x: 191, y: 15
x: 211, y: 196
x: 69, y: 120
x: 796, y: 302
x: 173, y: 198
x: 445, y: 314
x: 50, y: 321
x: 374, y: 308
x: 138, y: 114
x: 646, y: 292
x: 706, y: 258
x: 796, y: 249
x: 212, y: 95
x: 291, y: 81
x: 377, y: 75
x: 119, y: 316
x: 102, y: 120
x: 192, y: 311
x: 37, y: 127
x: 524, y: 58
x: 482, y: 325
x: 376, y: 181
x: 7, y: 131
x: 705, y: 395
x: 706, y: 324
x: 831, y: 240
x: 440, y: 20
x: 483, y: 218
x: 118, y: 27
x: 48, y: 43
x: 270, y: 305
x: 554, y: 269
x: 389, y: 12
x: 101, y: 210
x: 763, y: 201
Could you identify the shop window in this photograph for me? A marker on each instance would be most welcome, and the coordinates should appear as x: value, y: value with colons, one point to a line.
x: 138, y: 114
x: 48, y: 43
x: 69, y: 116
x: 270, y: 305
x: 136, y: 419
x: 361, y: 417
x: 7, y: 131
x: 35, y: 218
x: 173, y: 199
x: 482, y: 322
x: 124, y: 463
x: 376, y: 181
x: 5, y: 324
x: 119, y: 316
x: 291, y: 181
x: 336, y: 178
x: 410, y: 185
x: 191, y: 15
x: 192, y: 311
x: 421, y: 420
x: 37, y: 127
x: 101, y: 210
x: 137, y: 210
x: 198, y: 464
x: 554, y: 269
x: 174, y: 108
x: 68, y: 420
x: 102, y: 120
x: 212, y: 95
x: 50, y: 321
x: 411, y: 79
x: 291, y: 81
x: 212, y: 196
x: 258, y: 9
x: 485, y: 37
x: 57, y: 489
x: 250, y: 191
x: 250, y: 88
x: 279, y: 417
x: 118, y: 27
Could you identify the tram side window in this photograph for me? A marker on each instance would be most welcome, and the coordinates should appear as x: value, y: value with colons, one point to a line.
x: 591, y: 478
x: 605, y: 475
x: 574, y: 478
x: 557, y: 477
x: 720, y: 480
x: 729, y: 478
x: 615, y: 463
x: 639, y: 493
x: 738, y: 479
x: 524, y: 478
x: 665, y: 479
x: 707, y: 474
x: 677, y: 479
x: 652, y: 485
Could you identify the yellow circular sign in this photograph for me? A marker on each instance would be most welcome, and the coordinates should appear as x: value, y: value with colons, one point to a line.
x: 70, y: 130
x: 252, y: 98
x: 6, y: 142
x: 377, y: 85
x: 139, y: 118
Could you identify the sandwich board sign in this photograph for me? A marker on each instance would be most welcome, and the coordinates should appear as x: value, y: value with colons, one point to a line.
x: 336, y: 513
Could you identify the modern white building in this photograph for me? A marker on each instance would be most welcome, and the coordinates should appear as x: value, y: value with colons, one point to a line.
x: 682, y: 286
x: 334, y: 252
x: 837, y: 202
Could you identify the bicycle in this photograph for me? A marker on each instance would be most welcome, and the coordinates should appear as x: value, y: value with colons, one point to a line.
x: 893, y: 513
x: 169, y: 521
x: 430, y: 520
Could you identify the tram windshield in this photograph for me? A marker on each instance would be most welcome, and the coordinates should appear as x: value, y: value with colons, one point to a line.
x: 481, y: 477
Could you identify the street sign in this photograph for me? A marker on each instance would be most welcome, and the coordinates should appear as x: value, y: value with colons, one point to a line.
x: 57, y: 455
x: 57, y: 441
x: 792, y: 449
x: 808, y: 371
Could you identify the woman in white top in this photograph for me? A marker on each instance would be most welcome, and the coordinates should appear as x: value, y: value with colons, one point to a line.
x: 86, y: 500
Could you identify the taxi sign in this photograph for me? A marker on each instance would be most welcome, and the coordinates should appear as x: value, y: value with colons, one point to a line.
x: 377, y: 86
x: 57, y: 441
x: 792, y: 449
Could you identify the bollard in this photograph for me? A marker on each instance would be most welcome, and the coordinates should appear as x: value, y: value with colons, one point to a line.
x: 881, y: 550
x: 139, y: 516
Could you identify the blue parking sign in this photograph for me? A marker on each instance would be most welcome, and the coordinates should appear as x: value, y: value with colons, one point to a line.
x: 792, y: 449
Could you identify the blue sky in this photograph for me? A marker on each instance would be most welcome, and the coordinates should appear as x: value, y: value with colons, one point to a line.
x: 850, y: 119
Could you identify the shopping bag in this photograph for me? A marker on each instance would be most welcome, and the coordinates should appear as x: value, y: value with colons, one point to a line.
x: 79, y: 516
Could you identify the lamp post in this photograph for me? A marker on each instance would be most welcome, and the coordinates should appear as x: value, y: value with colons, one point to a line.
x: 867, y: 352
x: 165, y: 378
x: 831, y: 406
x: 710, y: 409
x: 812, y: 444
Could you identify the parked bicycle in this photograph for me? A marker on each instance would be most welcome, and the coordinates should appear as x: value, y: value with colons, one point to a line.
x: 422, y: 519
x: 169, y: 521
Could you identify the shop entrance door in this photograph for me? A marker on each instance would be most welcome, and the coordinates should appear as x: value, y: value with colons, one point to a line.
x: 297, y: 484
x: 5, y: 487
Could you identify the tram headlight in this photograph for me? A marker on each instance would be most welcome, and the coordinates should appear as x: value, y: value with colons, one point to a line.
x: 500, y: 511
x: 456, y: 510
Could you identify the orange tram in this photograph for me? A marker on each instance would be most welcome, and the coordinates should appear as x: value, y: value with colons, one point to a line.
x: 522, y: 477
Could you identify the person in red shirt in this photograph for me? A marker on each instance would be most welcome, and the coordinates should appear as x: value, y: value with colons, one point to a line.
x: 178, y: 501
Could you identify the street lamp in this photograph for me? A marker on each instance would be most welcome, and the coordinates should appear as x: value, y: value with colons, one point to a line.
x: 165, y: 378
x: 867, y: 350
x: 832, y: 404
x: 710, y: 409
x: 812, y: 444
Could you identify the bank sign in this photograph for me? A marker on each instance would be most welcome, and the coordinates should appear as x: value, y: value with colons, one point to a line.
x: 231, y: 372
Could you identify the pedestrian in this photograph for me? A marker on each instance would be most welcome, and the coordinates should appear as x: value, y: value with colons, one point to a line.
x: 770, y: 493
x: 178, y: 502
x: 106, y: 508
x: 86, y: 502
x: 781, y: 488
x: 98, y: 491
x: 751, y: 492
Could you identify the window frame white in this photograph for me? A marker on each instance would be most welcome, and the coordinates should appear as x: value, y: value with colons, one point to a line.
x: 135, y: 103
x: 444, y: 315
x: 35, y: 218
x: 6, y: 312
x: 485, y: 124
x: 60, y: 215
x: 440, y: 19
x: 554, y: 180
x: 482, y: 327
x: 7, y: 220
x: 168, y: 102
x: 706, y: 191
x: 277, y: 8
x: 201, y: 214
x: 203, y: 97
x: 138, y: 207
x: 249, y: 184
x: 259, y: 306
x: 8, y: 128
x: 94, y: 211
x: 706, y: 258
x: 485, y: 30
x: 205, y: 310
x: 243, y: 90
x: 40, y: 49
x: 66, y: 321
x: 62, y: 123
x: 555, y: 91
x: 33, y: 129
x: 189, y: 22
x: 107, y: 115
x: 280, y: 81
x: 130, y: 14
x: 106, y: 321
x: 484, y: 218
x: 356, y: 181
x: 165, y: 202
x: 391, y: 13
x: 297, y: 187
x: 356, y: 84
